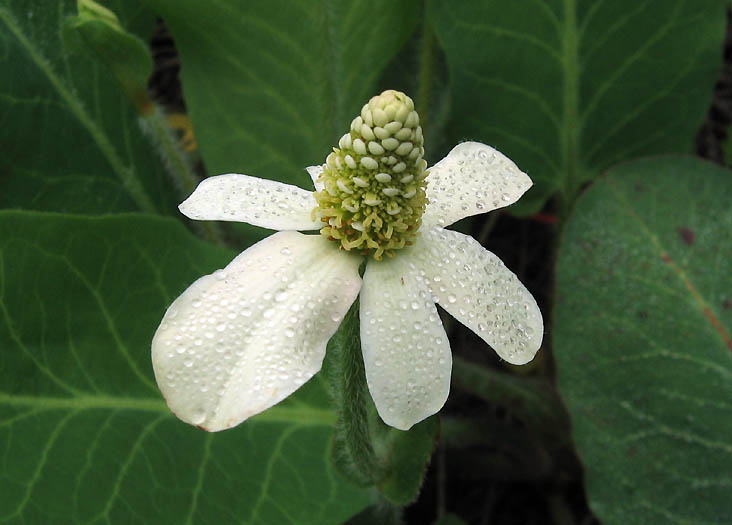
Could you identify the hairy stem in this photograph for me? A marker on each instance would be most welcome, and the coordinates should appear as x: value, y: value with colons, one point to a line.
x: 177, y: 164
x: 354, y: 451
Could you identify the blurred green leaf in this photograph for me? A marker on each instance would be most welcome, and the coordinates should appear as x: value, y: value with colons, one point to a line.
x: 99, y: 34
x: 69, y: 139
x: 569, y: 88
x: 726, y: 147
x: 450, y: 519
x: 86, y: 437
x: 381, y: 512
x: 271, y: 86
x: 531, y: 400
x: 408, y: 455
x: 529, y: 426
x: 643, y: 319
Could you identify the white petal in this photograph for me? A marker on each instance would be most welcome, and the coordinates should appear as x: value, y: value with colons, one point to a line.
x: 477, y: 289
x: 242, y: 339
x: 314, y: 172
x: 472, y: 179
x: 405, y: 349
x: 260, y: 202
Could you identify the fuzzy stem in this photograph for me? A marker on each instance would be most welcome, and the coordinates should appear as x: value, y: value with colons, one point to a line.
x: 354, y: 452
x: 177, y: 164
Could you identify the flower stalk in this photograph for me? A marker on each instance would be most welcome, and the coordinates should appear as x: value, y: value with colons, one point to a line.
x: 353, y: 450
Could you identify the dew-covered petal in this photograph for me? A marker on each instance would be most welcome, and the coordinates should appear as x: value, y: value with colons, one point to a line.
x: 260, y: 202
x: 405, y: 349
x: 476, y: 288
x: 473, y: 178
x: 242, y: 339
x: 314, y: 172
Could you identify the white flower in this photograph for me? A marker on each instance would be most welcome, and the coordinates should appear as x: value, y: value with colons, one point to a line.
x: 244, y: 338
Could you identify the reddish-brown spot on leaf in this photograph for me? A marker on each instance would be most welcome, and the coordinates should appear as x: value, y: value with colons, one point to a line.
x: 726, y: 304
x: 687, y: 236
x: 707, y: 311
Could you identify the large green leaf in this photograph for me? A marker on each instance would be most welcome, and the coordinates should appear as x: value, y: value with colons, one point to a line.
x: 84, y: 433
x: 567, y: 88
x: 69, y: 139
x: 271, y: 86
x: 643, y: 319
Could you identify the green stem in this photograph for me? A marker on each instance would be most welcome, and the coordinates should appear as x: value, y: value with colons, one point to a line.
x: 354, y: 452
x: 155, y: 125
x: 178, y: 165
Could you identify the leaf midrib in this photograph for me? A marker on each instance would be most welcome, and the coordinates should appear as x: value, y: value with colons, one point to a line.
x: 699, y: 300
x: 127, y: 176
x: 301, y: 414
x: 570, y: 130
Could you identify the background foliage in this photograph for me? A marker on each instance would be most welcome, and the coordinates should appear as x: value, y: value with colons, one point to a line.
x: 92, y: 250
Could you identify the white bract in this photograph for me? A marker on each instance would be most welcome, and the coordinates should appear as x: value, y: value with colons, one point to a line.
x: 242, y: 339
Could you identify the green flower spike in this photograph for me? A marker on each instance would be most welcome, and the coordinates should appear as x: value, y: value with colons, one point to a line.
x: 374, y: 188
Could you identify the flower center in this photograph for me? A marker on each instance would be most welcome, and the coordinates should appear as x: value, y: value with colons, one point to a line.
x: 373, y: 194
